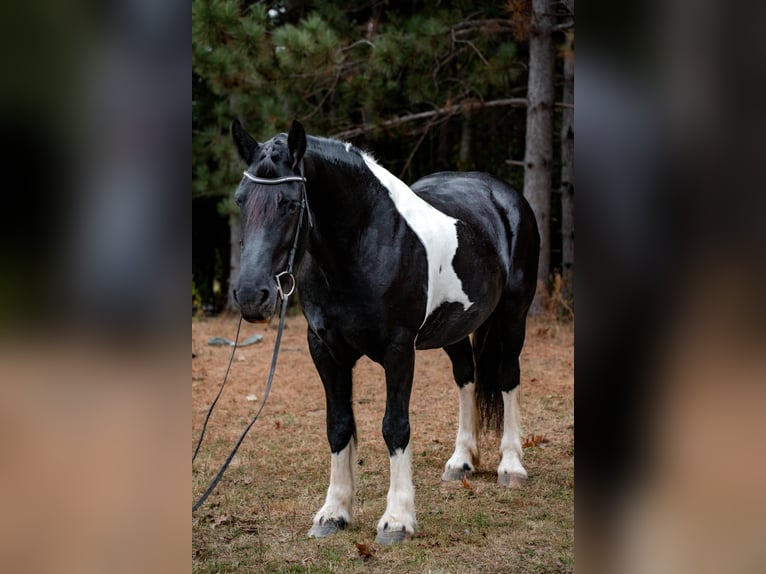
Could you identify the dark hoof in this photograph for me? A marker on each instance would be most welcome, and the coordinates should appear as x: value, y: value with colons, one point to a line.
x: 327, y: 528
x: 511, y: 480
x: 456, y: 474
x: 388, y: 537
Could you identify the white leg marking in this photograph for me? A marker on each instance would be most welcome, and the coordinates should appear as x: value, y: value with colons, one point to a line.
x: 466, y: 448
x: 436, y: 231
x: 400, y: 503
x: 340, y: 494
x: 510, y: 446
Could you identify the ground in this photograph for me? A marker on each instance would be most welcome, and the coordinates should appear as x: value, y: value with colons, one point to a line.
x: 257, y: 519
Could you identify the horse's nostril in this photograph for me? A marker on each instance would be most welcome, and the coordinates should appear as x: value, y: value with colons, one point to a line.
x: 264, y: 296
x: 236, y: 300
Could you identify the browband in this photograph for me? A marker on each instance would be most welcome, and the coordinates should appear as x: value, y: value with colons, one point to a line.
x: 275, y: 181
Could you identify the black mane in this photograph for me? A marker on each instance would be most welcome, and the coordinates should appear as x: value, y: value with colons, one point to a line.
x: 337, y: 152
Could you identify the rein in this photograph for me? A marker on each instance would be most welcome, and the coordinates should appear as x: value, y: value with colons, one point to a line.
x: 284, y: 297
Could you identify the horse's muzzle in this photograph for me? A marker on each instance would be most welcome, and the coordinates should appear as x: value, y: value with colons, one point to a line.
x: 256, y: 304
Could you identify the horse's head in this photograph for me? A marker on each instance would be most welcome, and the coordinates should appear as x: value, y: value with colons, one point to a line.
x: 269, y: 214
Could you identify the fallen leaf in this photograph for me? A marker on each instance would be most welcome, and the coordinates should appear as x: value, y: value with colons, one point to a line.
x: 252, y: 397
x: 365, y: 550
x: 220, y: 520
x: 466, y: 484
x: 534, y: 440
x: 277, y: 424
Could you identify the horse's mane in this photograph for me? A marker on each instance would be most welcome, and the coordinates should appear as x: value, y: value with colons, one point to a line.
x: 337, y: 151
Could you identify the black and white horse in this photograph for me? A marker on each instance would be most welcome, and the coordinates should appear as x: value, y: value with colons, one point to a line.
x: 383, y: 269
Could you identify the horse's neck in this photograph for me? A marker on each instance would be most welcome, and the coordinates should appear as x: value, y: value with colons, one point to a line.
x: 342, y: 193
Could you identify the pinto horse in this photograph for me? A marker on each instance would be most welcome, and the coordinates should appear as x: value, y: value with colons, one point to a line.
x: 384, y: 269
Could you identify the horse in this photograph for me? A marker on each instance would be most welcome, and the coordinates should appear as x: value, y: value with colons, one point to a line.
x: 383, y: 269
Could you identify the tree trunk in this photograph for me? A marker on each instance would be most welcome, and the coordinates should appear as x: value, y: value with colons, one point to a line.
x: 567, y: 170
x: 539, y: 137
x: 464, y: 155
x: 235, y: 236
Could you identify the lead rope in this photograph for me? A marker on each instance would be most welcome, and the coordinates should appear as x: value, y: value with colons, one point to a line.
x: 285, y: 298
x: 220, y: 390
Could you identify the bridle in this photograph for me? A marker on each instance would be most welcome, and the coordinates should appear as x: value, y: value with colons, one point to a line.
x: 304, y: 208
x: 283, y: 295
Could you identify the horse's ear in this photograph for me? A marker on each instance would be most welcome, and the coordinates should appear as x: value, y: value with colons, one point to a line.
x: 246, y: 144
x: 296, y: 142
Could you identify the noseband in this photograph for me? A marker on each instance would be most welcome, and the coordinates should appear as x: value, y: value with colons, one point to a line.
x: 304, y: 207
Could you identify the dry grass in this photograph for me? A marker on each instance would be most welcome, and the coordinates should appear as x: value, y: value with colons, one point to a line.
x: 257, y: 519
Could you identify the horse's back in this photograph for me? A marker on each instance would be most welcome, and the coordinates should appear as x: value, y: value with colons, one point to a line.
x: 478, y: 198
x: 494, y: 210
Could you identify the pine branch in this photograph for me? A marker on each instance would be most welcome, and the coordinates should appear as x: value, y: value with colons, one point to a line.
x: 465, y: 106
x: 486, y: 26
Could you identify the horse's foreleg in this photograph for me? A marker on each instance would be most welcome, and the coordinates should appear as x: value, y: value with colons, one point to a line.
x: 464, y: 460
x: 336, y: 512
x: 398, y: 521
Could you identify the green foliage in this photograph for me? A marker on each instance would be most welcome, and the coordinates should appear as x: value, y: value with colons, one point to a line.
x: 334, y: 65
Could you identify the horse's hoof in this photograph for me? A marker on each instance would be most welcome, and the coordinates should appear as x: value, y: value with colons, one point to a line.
x: 327, y: 528
x: 511, y: 480
x: 456, y: 474
x: 388, y: 537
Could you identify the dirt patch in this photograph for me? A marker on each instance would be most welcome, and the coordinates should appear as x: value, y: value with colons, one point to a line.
x: 257, y: 519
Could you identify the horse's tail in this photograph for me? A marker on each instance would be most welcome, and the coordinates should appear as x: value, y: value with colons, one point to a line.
x: 487, y: 356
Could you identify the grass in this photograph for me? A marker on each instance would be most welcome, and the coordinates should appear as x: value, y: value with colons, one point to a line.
x: 257, y: 519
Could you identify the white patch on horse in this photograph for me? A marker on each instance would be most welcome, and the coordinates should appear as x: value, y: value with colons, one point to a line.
x: 510, y: 446
x: 400, y: 502
x: 466, y: 448
x: 348, y: 146
x: 436, y: 231
x: 340, y: 494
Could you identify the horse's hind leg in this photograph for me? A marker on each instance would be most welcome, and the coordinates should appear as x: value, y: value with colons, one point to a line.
x: 511, y: 472
x: 498, y: 345
x: 465, y: 459
x: 335, y: 514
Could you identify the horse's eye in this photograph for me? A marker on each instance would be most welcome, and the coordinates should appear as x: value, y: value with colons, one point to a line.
x: 289, y: 206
